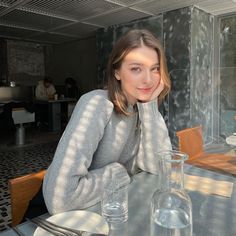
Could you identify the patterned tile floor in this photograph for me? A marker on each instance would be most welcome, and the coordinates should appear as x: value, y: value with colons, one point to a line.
x: 15, y: 161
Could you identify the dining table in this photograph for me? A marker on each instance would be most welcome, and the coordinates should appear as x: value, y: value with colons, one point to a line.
x: 54, y: 111
x: 213, y: 197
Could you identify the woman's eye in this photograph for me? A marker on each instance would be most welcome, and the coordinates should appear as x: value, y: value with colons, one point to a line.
x: 136, y: 69
x: 156, y: 69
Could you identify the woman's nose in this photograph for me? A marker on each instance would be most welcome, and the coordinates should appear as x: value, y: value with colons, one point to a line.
x: 147, y: 77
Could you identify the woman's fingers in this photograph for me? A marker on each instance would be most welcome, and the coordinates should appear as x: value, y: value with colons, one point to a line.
x: 158, y: 90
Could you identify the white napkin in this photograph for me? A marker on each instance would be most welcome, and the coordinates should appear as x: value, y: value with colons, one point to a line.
x: 80, y: 220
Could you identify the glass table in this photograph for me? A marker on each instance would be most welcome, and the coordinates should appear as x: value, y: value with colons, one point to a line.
x: 213, y: 215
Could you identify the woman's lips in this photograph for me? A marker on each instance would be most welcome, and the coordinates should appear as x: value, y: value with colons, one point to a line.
x: 145, y: 90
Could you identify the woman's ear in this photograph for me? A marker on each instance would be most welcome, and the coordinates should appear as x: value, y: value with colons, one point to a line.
x: 117, y: 74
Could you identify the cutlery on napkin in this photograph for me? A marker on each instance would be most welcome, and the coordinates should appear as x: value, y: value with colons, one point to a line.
x: 53, y: 228
x: 58, y: 230
x: 208, y: 185
x: 72, y: 223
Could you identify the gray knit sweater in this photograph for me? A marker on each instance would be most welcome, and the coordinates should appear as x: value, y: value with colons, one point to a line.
x: 98, y: 145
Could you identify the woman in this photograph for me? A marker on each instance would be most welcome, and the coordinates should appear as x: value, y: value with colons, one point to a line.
x: 112, y: 133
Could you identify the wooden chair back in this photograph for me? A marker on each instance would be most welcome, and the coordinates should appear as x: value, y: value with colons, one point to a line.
x: 22, y: 190
x: 191, y: 141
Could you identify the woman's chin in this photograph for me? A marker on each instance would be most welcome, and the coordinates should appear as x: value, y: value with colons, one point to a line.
x: 144, y: 99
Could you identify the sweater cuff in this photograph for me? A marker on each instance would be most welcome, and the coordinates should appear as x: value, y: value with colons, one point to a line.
x: 148, y: 110
x: 118, y: 172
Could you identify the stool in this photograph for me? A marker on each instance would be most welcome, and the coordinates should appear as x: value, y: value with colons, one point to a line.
x: 21, y: 116
x: 20, y: 135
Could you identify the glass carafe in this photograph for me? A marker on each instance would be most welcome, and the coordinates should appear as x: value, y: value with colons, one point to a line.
x: 171, y: 207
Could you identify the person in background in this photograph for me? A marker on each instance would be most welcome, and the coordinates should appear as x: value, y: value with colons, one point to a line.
x: 71, y: 88
x: 45, y: 90
x: 112, y: 133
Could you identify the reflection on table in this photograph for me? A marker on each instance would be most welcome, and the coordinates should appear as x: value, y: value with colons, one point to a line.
x: 231, y: 140
x: 213, y: 215
x: 54, y: 111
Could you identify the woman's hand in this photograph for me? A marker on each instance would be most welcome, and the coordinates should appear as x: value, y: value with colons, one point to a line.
x: 158, y: 90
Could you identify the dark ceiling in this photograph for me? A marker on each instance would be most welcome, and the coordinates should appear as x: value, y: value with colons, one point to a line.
x: 58, y: 21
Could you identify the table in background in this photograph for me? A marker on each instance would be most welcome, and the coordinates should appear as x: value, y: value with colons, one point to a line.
x: 54, y: 111
x: 212, y: 215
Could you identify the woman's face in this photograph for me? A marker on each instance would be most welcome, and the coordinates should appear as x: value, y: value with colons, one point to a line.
x: 139, y: 74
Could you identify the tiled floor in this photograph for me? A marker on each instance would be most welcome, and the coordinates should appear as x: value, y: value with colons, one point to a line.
x: 15, y: 161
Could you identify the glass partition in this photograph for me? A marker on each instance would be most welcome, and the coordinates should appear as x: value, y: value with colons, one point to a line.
x: 201, y: 97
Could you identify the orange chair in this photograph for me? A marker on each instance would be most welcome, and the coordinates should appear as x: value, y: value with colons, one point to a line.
x: 22, y: 190
x: 191, y: 142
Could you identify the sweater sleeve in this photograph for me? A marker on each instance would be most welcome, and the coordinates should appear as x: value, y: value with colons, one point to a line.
x: 154, y: 136
x: 69, y: 184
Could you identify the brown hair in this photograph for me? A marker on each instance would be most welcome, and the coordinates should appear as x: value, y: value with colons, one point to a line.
x: 133, y: 39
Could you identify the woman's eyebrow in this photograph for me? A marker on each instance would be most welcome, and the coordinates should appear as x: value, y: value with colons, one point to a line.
x: 135, y: 63
x: 141, y: 64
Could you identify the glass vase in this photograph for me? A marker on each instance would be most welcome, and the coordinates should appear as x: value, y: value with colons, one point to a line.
x: 171, y: 207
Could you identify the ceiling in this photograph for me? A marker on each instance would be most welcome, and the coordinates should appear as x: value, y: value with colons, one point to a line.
x: 58, y: 21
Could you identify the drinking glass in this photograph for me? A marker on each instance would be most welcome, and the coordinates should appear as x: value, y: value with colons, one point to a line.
x: 115, y: 203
